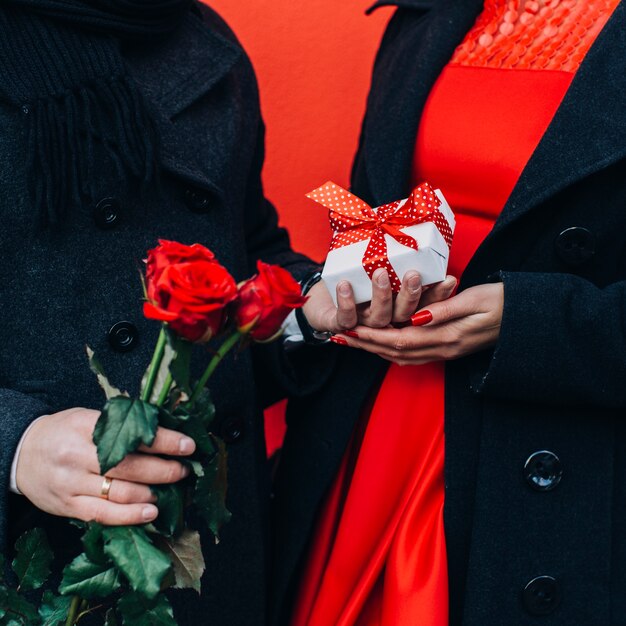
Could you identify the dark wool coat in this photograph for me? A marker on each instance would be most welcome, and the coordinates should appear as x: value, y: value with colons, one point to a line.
x: 65, y: 288
x: 556, y: 382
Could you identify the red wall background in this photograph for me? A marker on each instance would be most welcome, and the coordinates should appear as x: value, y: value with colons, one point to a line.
x: 313, y: 61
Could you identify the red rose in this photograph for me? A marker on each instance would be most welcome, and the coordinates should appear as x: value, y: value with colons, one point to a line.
x: 171, y: 252
x: 265, y: 301
x: 188, y: 289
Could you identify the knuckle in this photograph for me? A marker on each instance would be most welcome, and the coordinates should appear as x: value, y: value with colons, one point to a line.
x: 65, y: 453
x: 120, y: 492
x: 378, y: 321
x: 450, y: 349
x: 446, y: 309
x: 174, y: 472
x: 97, y: 514
x: 401, y: 344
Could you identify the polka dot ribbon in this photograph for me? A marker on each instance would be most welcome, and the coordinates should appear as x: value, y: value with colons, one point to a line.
x: 353, y: 220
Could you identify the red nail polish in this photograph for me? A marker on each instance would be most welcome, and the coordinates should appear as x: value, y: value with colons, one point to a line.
x: 351, y: 333
x: 340, y: 341
x: 421, y: 318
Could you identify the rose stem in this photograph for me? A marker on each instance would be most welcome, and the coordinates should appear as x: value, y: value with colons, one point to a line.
x: 215, y: 361
x: 159, y: 350
x: 167, y: 384
x: 71, y: 616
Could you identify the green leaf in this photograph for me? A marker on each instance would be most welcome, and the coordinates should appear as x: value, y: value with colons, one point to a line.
x: 54, y: 609
x: 94, y: 365
x: 210, y: 491
x: 89, y: 580
x: 33, y: 559
x: 173, y: 421
x: 93, y: 543
x: 205, y: 443
x: 137, y: 611
x: 144, y: 565
x: 16, y: 610
x: 170, y: 502
x: 204, y: 408
x: 181, y: 363
x: 187, y: 559
x: 110, y: 618
x: 195, y: 466
x: 123, y: 425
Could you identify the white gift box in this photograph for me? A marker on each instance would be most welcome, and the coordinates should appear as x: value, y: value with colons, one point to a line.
x: 430, y: 259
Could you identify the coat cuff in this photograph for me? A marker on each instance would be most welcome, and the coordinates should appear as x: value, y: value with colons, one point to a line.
x: 17, y: 412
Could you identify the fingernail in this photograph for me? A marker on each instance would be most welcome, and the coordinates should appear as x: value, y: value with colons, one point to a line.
x: 421, y: 318
x: 344, y: 288
x: 149, y: 513
x: 382, y: 280
x: 351, y: 333
x: 340, y: 341
x: 185, y: 471
x: 415, y: 284
x: 186, y: 445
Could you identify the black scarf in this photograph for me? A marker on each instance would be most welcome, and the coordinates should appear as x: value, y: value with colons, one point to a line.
x: 61, y: 66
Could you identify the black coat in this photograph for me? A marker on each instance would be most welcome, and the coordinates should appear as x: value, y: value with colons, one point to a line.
x: 555, y: 381
x: 63, y: 288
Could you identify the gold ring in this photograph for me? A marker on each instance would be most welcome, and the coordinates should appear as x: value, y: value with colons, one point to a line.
x: 106, y: 487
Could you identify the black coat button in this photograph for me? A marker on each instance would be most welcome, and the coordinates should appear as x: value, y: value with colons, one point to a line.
x: 123, y: 336
x: 543, y: 470
x: 197, y: 200
x: 542, y: 595
x: 232, y: 429
x: 106, y: 214
x: 575, y: 245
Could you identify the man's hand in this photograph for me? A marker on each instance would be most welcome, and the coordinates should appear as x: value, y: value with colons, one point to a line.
x: 58, y: 471
x: 384, y: 309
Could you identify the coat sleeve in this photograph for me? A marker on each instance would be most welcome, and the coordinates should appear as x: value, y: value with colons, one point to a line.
x: 17, y: 411
x: 562, y: 342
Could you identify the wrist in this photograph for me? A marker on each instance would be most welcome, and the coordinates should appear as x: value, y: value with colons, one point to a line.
x: 310, y: 334
x: 13, y: 486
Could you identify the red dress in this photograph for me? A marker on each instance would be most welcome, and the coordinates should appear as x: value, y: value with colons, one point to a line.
x: 378, y: 557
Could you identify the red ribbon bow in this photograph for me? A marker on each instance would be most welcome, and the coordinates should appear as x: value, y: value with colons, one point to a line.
x: 354, y: 220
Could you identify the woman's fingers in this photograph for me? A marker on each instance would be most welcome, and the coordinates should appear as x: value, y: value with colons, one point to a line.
x: 448, y: 329
x: 438, y: 291
x: 95, y: 509
x: 408, y: 298
x: 470, y: 302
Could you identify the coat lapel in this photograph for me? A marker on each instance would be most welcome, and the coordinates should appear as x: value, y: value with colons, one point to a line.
x: 588, y: 131
x: 175, y: 76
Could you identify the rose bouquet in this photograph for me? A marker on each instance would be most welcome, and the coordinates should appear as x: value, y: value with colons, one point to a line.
x: 124, y: 570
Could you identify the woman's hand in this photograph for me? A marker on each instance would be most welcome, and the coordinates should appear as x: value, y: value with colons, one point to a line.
x: 58, y: 471
x: 467, y: 323
x: 384, y: 309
